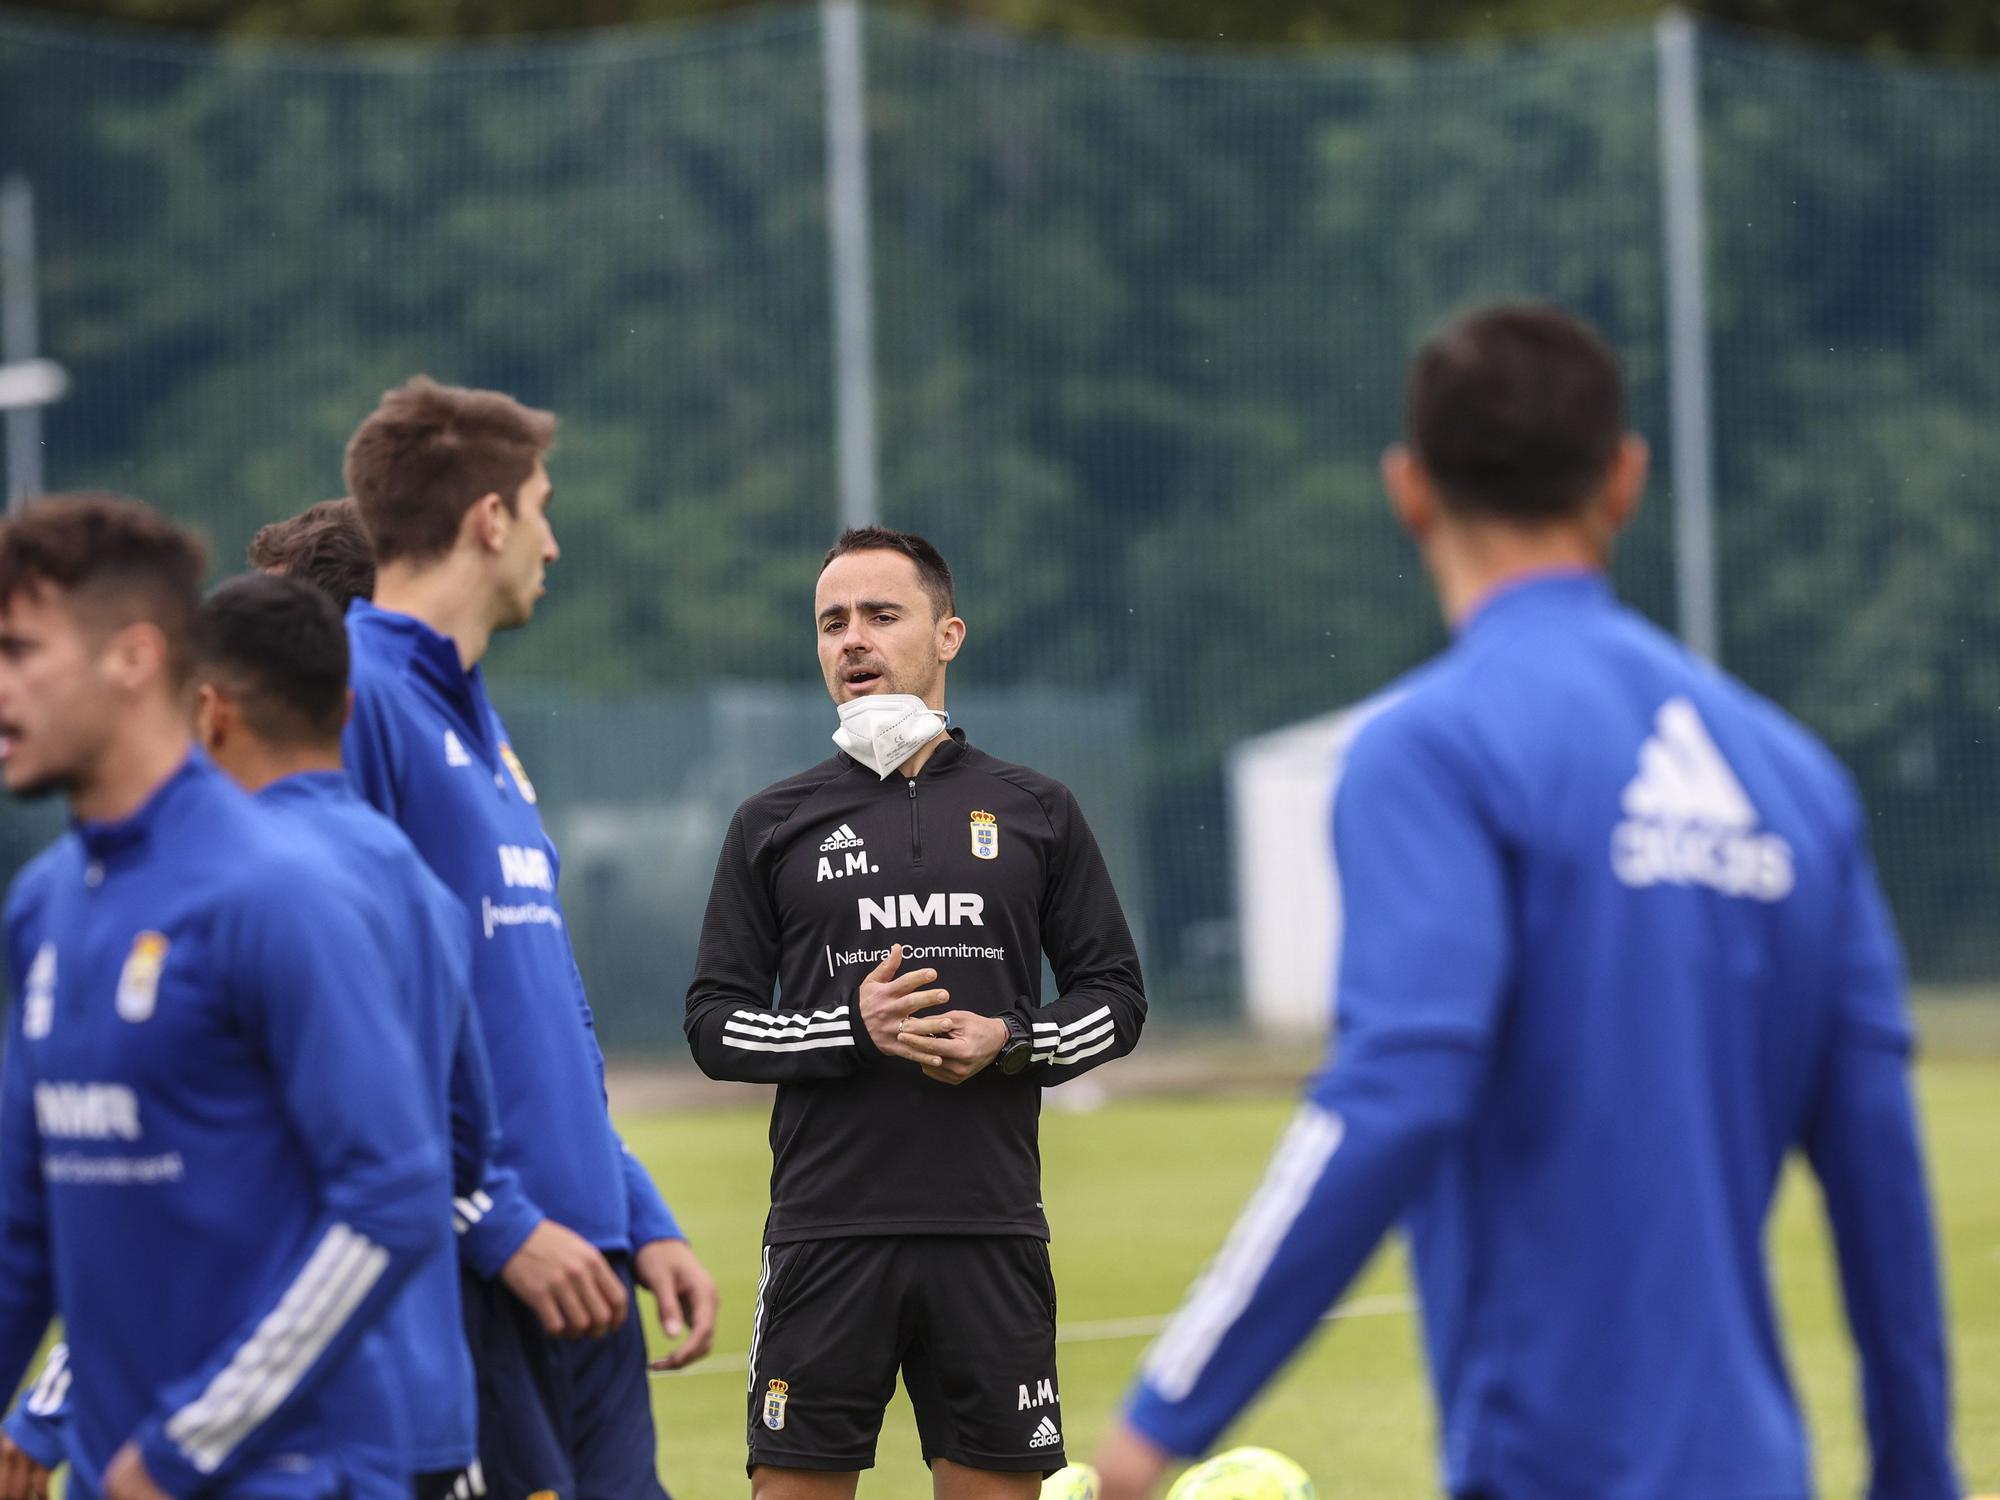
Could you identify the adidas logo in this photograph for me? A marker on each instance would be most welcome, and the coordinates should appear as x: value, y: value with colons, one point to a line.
x: 1045, y: 1435
x: 454, y: 752
x: 1688, y: 820
x: 842, y: 837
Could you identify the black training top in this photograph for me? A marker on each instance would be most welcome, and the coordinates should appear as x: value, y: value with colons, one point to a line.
x: 977, y: 867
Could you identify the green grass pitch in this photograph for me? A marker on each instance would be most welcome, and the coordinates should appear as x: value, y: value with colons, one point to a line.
x: 1140, y: 1193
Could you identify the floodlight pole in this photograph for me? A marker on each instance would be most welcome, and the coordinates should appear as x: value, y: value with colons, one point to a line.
x: 842, y: 64
x: 1688, y: 409
x: 19, y: 334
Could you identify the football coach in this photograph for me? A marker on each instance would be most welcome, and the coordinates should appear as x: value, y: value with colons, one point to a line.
x: 900, y: 896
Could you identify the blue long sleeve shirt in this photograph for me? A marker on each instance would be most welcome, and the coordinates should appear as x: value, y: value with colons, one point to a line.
x: 214, y: 1161
x: 427, y: 950
x: 430, y: 952
x: 425, y: 746
x: 1612, y: 948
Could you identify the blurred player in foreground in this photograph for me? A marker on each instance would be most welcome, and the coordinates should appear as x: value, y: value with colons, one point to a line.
x: 1613, y: 948
x: 452, y: 490
x: 899, y: 897
x: 325, y: 545
x: 271, y: 664
x: 214, y: 1164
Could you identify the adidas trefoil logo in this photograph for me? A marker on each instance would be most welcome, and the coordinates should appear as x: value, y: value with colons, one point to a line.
x: 842, y: 837
x: 1046, y: 1434
x: 454, y: 752
x: 1688, y: 820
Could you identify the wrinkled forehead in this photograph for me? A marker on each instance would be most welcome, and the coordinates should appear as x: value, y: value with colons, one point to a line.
x: 857, y: 578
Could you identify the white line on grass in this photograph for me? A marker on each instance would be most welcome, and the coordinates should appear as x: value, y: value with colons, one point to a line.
x: 1388, y: 1305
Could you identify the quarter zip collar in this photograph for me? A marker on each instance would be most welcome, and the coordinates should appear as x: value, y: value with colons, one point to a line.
x: 1549, y: 589
x: 433, y: 658
x: 308, y: 789
x: 111, y: 838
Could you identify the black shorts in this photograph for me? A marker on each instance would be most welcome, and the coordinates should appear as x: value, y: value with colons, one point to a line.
x: 451, y: 1484
x: 969, y: 1320
x: 567, y: 1417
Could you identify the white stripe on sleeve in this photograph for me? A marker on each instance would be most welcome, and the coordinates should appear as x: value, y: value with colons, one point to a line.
x: 809, y: 1045
x: 1066, y: 1059
x: 1176, y: 1362
x: 782, y: 1019
x: 51, y: 1387
x: 271, y: 1362
x: 787, y: 1030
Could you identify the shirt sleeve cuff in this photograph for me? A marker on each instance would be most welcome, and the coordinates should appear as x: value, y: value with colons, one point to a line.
x: 490, y: 1243
x: 38, y: 1437
x: 1160, y: 1423
x: 651, y: 1218
x: 166, y: 1464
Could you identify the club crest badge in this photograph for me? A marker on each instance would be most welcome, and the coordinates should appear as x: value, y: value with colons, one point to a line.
x: 774, y: 1405
x: 139, y: 980
x: 38, y: 1006
x: 518, y: 771
x: 985, y: 836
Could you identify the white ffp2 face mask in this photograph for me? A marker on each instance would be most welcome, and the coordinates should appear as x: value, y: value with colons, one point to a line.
x: 886, y: 729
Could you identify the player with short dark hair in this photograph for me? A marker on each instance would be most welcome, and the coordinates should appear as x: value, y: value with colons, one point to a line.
x: 900, y: 897
x: 451, y: 486
x: 271, y: 667
x: 428, y: 453
x: 271, y: 657
x: 326, y: 545
x: 214, y: 1163
x: 1613, y: 948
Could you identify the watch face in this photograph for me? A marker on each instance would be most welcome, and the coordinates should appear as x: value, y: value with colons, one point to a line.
x: 1013, y: 1057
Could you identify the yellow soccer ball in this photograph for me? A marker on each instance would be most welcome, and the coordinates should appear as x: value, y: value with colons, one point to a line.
x: 1077, y: 1482
x: 1245, y: 1474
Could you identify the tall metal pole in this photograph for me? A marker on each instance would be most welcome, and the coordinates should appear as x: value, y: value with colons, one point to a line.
x: 847, y: 223
x: 1689, y: 416
x: 19, y: 334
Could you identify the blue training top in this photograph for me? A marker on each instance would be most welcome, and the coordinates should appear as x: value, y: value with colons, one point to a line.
x: 1613, y: 947
x: 426, y: 948
x: 423, y: 1338
x: 214, y: 1160
x: 426, y: 747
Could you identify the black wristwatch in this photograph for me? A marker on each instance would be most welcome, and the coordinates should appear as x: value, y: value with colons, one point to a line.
x: 1019, y: 1046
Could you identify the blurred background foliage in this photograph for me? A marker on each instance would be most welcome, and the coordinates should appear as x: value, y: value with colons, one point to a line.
x: 1952, y: 28
x: 1142, y: 316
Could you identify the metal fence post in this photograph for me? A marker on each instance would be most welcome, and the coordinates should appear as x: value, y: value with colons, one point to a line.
x: 847, y: 243
x: 19, y: 334
x: 1689, y: 416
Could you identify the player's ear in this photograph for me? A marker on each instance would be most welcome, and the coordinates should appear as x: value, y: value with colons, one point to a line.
x: 486, y: 522
x: 951, y: 636
x: 1625, y: 486
x: 347, y: 709
x: 1411, y: 499
x: 211, y: 717
x: 135, y: 655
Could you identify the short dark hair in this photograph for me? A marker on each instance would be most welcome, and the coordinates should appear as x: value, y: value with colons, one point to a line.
x: 326, y: 545
x: 428, y: 453
x: 118, y: 561
x: 1516, y: 412
x: 278, y: 647
x: 933, y: 572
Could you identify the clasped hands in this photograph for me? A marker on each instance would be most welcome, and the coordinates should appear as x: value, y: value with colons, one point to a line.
x: 950, y: 1048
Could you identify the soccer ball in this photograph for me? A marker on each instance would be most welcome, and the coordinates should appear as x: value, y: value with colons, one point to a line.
x: 1245, y: 1474
x: 1077, y: 1482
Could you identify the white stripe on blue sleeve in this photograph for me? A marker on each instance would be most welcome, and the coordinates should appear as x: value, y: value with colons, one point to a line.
x: 1184, y: 1350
